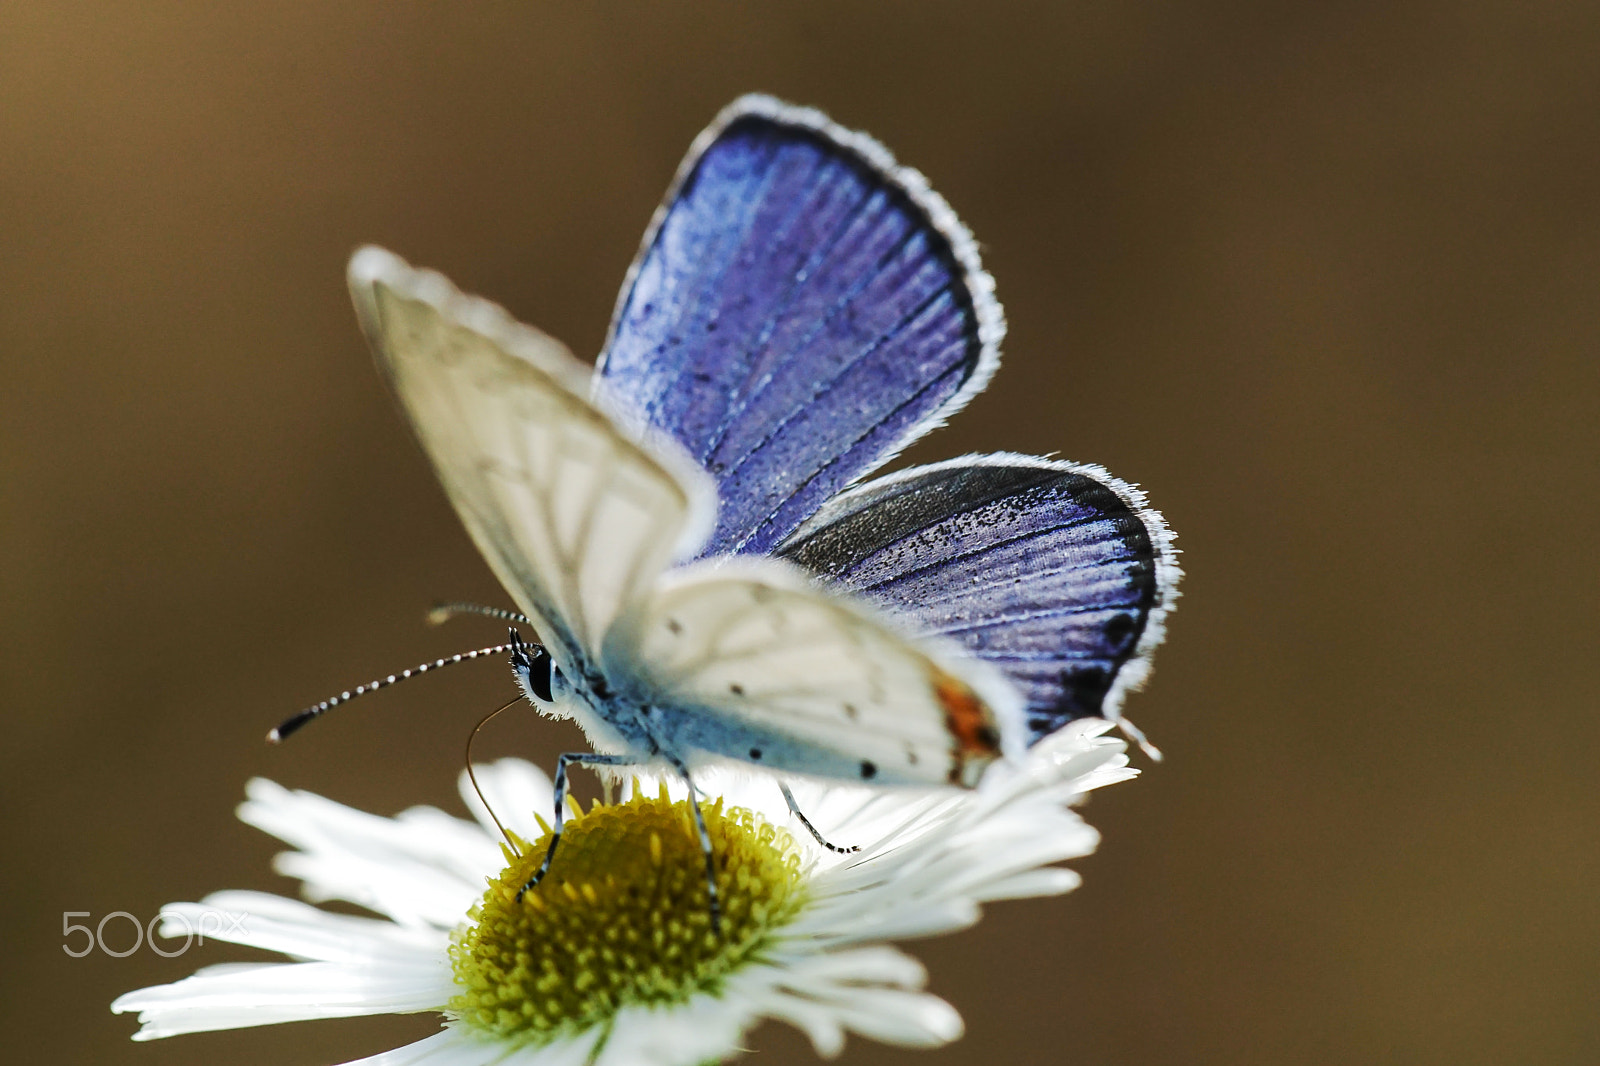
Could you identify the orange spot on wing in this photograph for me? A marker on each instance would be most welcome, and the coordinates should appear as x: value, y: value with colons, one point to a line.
x: 971, y: 725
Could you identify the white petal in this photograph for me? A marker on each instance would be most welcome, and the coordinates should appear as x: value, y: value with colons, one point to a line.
x: 218, y: 969
x: 888, y: 919
x: 820, y: 1024
x: 957, y: 875
x: 460, y: 846
x: 855, y: 966
x: 516, y: 789
x: 578, y: 1050
x: 407, y: 892
x: 296, y: 929
x: 459, y: 1046
x: 449, y: 1048
x: 705, y: 1028
x: 423, y: 834
x: 425, y: 868
x: 1050, y: 881
x: 286, y: 992
x: 910, y: 1019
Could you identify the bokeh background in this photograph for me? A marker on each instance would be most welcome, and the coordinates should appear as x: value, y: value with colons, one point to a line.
x: 1322, y: 277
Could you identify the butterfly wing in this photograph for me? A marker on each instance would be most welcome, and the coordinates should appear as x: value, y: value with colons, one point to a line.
x: 576, y: 519
x: 752, y: 661
x: 802, y: 309
x: 1056, y: 573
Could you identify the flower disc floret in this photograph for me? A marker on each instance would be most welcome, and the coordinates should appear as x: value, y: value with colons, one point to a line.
x: 622, y: 917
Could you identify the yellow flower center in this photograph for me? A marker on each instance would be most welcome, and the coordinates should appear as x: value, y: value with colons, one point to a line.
x: 621, y: 918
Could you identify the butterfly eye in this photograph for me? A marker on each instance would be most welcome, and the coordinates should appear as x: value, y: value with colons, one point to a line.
x: 534, y: 668
x: 545, y: 679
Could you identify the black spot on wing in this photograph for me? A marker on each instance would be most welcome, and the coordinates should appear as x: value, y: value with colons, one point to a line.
x: 1082, y: 691
x: 1119, y: 629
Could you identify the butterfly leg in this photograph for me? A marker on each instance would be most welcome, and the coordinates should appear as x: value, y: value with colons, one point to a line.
x: 581, y: 758
x: 794, y: 809
x: 705, y: 842
x: 1135, y: 734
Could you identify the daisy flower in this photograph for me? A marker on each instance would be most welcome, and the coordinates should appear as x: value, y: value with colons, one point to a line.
x: 612, y: 960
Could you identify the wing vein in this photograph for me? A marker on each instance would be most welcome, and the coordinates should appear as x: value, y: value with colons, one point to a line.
x: 1036, y: 614
x: 821, y: 389
x: 806, y: 482
x: 843, y: 301
x: 750, y: 205
x: 975, y: 553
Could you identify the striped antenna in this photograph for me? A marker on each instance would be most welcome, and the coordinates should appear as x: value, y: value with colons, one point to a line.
x: 293, y: 725
x: 443, y: 612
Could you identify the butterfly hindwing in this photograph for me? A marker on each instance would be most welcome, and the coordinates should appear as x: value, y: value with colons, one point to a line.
x: 576, y: 519
x: 802, y: 309
x: 1056, y: 573
x: 751, y: 661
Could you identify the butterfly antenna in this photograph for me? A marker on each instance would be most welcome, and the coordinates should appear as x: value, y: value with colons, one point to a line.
x: 443, y: 612
x: 512, y: 844
x: 299, y: 721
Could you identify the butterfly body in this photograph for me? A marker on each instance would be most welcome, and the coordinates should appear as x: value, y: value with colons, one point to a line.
x: 629, y: 704
x: 689, y: 528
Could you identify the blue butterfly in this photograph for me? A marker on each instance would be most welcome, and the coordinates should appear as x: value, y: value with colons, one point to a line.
x: 687, y: 528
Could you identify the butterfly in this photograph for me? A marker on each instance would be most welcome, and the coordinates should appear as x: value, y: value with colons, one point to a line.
x: 687, y: 526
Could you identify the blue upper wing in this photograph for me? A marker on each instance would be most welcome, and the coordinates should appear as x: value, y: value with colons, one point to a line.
x: 802, y: 309
x: 1056, y: 573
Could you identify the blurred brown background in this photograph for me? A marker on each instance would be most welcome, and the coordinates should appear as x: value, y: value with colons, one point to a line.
x: 1322, y: 277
